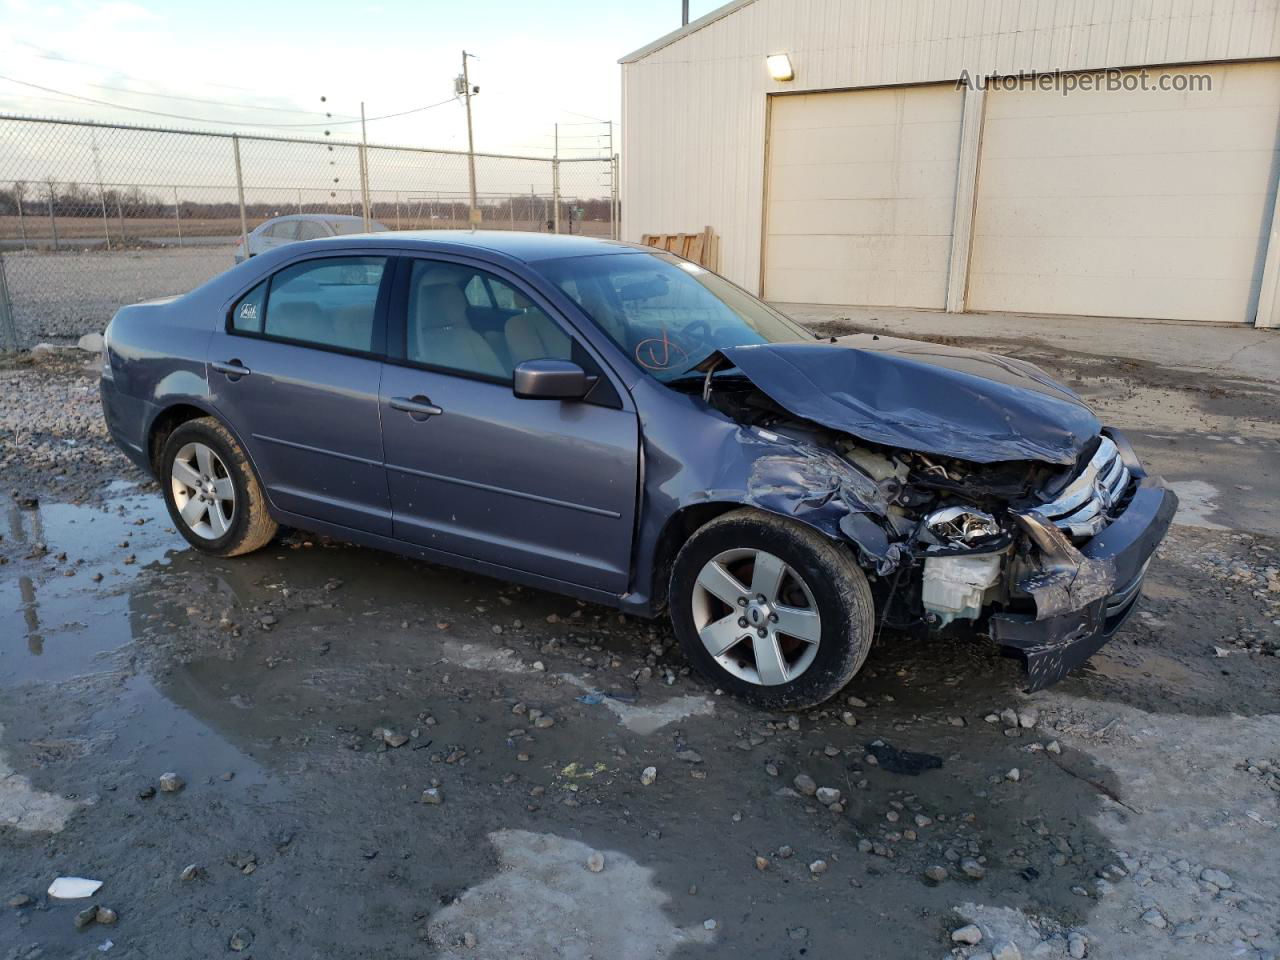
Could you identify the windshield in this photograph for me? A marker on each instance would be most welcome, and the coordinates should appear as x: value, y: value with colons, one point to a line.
x: 667, y: 313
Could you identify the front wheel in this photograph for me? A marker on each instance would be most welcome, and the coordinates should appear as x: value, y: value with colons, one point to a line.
x: 770, y: 610
x: 213, y: 496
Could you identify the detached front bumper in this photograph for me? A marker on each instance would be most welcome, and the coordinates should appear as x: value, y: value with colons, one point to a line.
x: 1084, y: 594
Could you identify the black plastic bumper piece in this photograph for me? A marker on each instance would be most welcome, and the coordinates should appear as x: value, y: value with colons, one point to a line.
x: 1054, y: 646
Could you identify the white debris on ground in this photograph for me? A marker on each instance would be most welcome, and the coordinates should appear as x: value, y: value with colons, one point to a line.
x: 73, y: 888
x: 580, y: 914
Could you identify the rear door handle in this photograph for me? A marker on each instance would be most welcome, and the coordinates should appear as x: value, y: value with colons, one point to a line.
x: 418, y: 407
x: 232, y: 368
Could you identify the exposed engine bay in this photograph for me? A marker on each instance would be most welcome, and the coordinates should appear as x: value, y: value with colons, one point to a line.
x: 953, y: 540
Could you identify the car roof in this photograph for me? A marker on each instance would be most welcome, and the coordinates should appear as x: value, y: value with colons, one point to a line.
x: 517, y: 245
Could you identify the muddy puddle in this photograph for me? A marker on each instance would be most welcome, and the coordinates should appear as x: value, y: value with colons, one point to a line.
x: 309, y: 694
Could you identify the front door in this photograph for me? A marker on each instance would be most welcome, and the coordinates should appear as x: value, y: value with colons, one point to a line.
x: 542, y: 486
x: 296, y: 373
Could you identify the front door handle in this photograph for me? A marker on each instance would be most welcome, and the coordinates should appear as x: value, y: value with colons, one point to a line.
x: 418, y: 407
x: 234, y: 369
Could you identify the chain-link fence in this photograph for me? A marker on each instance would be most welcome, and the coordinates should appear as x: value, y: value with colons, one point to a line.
x: 93, y: 216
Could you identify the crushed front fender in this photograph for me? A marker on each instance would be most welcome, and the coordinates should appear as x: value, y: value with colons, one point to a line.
x: 826, y: 492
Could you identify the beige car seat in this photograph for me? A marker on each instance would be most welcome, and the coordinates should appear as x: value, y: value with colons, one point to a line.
x: 534, y: 336
x: 441, y: 334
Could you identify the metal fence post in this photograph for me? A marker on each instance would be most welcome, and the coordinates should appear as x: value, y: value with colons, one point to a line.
x: 397, y: 209
x: 177, y: 214
x: 364, y: 170
x: 53, y: 222
x: 614, y: 210
x: 22, y: 223
x: 555, y: 193
x: 8, y: 326
x: 244, y: 221
x: 106, y: 229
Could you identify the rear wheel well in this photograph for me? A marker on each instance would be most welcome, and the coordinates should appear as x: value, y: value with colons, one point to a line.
x: 168, y: 421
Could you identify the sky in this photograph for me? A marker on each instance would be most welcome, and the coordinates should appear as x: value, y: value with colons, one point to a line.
x: 265, y: 66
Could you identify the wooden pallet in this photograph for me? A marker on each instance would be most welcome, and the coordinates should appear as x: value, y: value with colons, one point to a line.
x: 702, y: 248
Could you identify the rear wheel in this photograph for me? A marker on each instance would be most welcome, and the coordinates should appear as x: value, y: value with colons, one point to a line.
x: 770, y: 610
x: 213, y: 496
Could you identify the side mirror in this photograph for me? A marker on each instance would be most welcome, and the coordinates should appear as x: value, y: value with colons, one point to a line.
x: 550, y: 380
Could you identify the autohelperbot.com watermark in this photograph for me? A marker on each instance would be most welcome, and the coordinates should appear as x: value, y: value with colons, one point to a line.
x: 1066, y: 83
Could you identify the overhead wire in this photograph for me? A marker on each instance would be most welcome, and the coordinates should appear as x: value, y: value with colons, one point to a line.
x: 234, y: 123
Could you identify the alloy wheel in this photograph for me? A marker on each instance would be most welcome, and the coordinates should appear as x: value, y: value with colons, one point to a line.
x: 203, y: 491
x: 756, y: 616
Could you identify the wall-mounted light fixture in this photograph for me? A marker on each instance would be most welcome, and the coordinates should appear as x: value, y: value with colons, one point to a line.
x: 779, y: 65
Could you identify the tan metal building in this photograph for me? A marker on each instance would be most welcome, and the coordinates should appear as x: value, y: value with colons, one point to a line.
x: 1123, y: 162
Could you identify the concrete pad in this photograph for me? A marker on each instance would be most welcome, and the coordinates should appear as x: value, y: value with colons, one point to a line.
x: 1220, y: 348
x: 27, y: 809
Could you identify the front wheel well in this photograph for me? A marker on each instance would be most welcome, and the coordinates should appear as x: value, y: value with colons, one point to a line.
x: 680, y: 526
x: 164, y: 424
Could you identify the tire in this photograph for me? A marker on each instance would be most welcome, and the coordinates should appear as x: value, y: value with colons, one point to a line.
x: 201, y: 459
x: 814, y: 575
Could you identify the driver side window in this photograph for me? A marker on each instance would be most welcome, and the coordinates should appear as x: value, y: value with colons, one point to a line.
x: 470, y: 321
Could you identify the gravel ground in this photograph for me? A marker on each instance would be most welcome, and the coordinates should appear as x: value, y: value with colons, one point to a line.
x: 53, y: 440
x: 402, y: 760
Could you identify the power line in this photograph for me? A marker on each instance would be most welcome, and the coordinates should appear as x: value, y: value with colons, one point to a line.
x: 233, y: 123
x: 55, y: 57
x: 219, y: 103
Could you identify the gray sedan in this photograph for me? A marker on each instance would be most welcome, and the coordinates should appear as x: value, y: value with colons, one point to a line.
x: 280, y: 231
x: 614, y: 423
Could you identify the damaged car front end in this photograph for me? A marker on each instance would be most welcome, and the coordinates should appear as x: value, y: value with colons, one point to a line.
x: 977, y: 493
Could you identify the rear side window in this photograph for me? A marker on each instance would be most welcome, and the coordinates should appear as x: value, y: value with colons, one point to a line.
x: 285, y: 230
x: 246, y: 316
x: 325, y: 303
x: 308, y: 230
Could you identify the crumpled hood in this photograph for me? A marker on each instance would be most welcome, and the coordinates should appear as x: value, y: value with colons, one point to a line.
x: 921, y: 396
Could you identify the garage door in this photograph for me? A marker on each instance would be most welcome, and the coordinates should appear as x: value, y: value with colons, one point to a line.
x: 861, y: 190
x: 1128, y: 204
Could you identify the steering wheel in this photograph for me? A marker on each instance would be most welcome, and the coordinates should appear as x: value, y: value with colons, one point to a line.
x: 699, y: 332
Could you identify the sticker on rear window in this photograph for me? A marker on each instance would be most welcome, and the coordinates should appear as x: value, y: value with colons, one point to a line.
x: 249, y: 311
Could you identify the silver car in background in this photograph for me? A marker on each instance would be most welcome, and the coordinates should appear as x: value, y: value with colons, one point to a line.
x: 281, y: 231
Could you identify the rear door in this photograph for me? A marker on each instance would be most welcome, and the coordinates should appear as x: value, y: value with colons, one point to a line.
x: 543, y: 486
x: 295, y: 371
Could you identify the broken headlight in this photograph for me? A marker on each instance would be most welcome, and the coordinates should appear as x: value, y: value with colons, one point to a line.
x: 965, y: 553
x: 961, y: 527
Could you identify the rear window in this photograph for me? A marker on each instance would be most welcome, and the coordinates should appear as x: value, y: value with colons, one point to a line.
x: 328, y: 302
x: 246, y: 316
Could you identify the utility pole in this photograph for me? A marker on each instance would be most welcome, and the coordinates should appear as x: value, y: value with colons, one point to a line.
x: 684, y: 13
x: 471, y: 143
